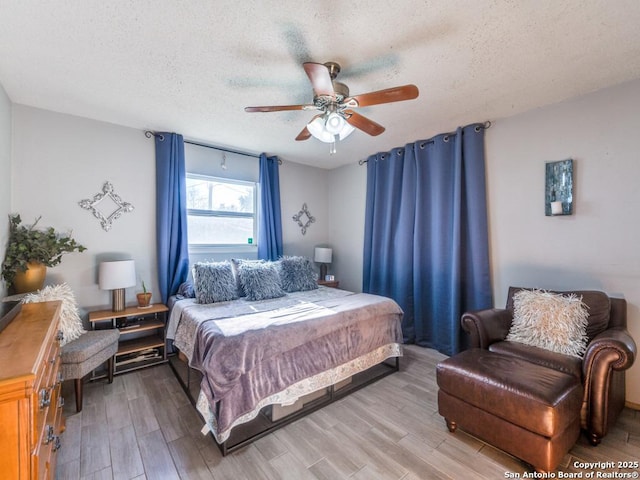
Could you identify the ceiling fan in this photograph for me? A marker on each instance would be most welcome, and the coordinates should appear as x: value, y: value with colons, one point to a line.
x: 337, y: 119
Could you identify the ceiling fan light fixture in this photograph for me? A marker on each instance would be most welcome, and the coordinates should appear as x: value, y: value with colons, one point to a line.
x: 335, y: 123
x: 345, y: 131
x: 321, y: 128
x: 317, y: 128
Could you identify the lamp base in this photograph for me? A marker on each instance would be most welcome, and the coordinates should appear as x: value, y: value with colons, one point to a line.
x: 323, y: 271
x: 117, y: 300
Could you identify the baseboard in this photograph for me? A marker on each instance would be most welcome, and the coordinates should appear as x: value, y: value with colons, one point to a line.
x: 632, y: 406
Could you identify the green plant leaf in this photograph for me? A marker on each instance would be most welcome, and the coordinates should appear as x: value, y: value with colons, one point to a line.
x: 27, y: 244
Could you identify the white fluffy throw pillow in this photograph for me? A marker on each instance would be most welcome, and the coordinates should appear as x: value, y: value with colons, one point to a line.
x: 70, y: 321
x: 551, y: 321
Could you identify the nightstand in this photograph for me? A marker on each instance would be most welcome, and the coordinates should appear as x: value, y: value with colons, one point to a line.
x: 142, y: 335
x: 331, y: 284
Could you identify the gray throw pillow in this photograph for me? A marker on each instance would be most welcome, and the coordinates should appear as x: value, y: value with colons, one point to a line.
x: 297, y: 274
x: 185, y: 290
x: 235, y: 263
x: 260, y: 281
x: 214, y: 282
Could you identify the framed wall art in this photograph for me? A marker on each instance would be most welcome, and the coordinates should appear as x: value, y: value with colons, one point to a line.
x: 558, y: 197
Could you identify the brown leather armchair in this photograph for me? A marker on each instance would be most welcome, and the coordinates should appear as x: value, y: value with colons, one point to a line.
x: 610, y: 351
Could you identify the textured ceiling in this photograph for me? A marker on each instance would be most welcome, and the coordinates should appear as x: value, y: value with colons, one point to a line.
x: 192, y: 66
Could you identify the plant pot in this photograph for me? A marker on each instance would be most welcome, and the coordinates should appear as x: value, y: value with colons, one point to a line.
x: 144, y: 299
x: 31, y: 279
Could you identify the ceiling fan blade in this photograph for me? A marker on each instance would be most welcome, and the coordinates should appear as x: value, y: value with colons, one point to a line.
x: 279, y: 108
x: 305, y: 134
x: 320, y: 78
x: 395, y: 94
x: 363, y: 123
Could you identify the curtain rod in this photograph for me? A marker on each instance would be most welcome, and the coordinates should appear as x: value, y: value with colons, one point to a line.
x: 150, y: 134
x: 483, y: 126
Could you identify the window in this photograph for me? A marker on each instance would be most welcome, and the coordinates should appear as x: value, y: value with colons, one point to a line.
x: 220, y: 211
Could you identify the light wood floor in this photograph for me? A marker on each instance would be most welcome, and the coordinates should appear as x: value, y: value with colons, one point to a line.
x: 143, y: 427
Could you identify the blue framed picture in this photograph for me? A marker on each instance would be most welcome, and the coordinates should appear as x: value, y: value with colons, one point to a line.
x: 558, y: 197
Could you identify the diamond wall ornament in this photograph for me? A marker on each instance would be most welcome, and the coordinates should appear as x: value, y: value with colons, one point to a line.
x: 111, y: 199
x: 299, y: 218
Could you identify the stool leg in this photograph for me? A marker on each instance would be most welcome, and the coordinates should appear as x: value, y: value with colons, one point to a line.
x: 110, y: 369
x: 78, y: 385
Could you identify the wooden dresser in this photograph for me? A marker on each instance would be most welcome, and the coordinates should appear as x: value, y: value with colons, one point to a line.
x: 30, y: 404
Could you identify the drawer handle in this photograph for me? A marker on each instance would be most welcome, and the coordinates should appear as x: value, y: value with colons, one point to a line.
x: 60, y: 336
x: 60, y: 377
x: 49, y: 435
x: 56, y: 443
x: 45, y: 397
x: 60, y: 402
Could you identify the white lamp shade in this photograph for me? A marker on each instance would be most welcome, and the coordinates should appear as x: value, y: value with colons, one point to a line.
x: 323, y: 255
x: 334, y: 124
x: 118, y: 274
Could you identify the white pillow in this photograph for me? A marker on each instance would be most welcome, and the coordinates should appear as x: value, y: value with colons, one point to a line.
x: 551, y: 321
x: 70, y: 321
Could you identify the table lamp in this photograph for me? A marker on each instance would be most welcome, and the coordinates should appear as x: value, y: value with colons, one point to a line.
x: 323, y: 257
x: 116, y: 276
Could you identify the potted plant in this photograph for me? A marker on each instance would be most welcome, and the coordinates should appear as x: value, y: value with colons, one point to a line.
x: 144, y: 298
x: 30, y: 251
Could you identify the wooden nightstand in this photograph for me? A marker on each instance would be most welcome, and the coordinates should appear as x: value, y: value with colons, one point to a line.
x: 142, y: 335
x: 331, y: 284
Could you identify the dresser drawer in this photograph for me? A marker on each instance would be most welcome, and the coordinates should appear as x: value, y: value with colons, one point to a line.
x: 44, y: 395
x: 41, y: 459
x: 49, y: 442
x: 45, y: 455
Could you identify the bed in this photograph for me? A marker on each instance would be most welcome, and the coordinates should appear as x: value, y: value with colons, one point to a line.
x: 304, y: 349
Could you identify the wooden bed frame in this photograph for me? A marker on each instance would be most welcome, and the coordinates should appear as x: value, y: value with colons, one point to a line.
x: 262, y: 425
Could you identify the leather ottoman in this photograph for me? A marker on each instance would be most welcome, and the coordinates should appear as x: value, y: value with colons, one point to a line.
x: 527, y: 410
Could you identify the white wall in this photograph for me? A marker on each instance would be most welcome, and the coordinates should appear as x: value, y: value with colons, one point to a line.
x: 59, y: 160
x: 5, y: 176
x: 597, y: 246
x: 301, y: 184
x: 346, y: 203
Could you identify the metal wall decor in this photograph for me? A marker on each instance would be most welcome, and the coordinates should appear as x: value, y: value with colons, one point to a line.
x: 558, y: 197
x: 299, y: 218
x: 107, y: 194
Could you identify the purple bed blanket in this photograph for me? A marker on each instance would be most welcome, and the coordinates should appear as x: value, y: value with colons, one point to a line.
x: 248, y: 358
